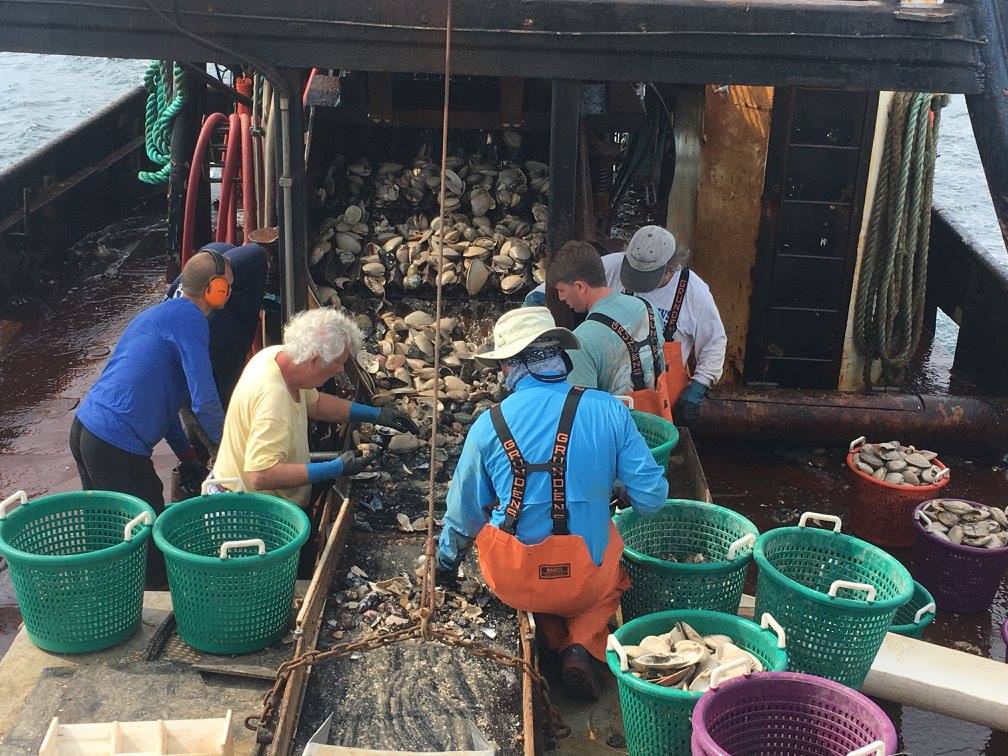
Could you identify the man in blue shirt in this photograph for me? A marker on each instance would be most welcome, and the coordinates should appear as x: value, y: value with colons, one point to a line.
x: 533, y: 486
x: 232, y: 327
x: 160, y: 364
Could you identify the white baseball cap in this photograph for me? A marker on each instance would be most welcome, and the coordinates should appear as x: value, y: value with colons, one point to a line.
x: 516, y: 329
x: 645, y: 258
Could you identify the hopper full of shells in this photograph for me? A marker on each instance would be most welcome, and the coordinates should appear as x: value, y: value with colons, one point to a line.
x: 682, y: 658
x: 965, y: 523
x: 386, y: 235
x: 892, y: 462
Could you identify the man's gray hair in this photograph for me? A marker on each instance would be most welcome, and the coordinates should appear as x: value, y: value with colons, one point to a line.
x: 323, y: 333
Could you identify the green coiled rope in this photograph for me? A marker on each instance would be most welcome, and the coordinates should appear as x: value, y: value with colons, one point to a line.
x: 889, y: 303
x: 160, y: 113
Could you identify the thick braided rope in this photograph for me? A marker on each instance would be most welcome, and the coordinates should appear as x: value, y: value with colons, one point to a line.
x: 160, y: 112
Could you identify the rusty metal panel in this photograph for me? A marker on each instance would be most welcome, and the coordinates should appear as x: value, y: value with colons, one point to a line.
x: 736, y: 125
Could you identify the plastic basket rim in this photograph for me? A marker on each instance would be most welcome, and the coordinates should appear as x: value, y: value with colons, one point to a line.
x: 204, y: 501
x: 901, y: 487
x: 668, y: 445
x: 674, y: 694
x: 140, y: 534
x: 703, y: 738
x: 725, y: 566
x: 956, y: 548
x: 926, y: 620
x: 821, y: 598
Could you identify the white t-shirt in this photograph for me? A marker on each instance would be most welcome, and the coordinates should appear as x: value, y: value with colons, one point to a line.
x: 699, y: 329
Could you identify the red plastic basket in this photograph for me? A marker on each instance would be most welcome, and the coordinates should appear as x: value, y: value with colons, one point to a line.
x: 882, y: 513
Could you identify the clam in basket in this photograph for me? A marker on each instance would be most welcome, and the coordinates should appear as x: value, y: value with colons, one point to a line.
x: 802, y: 572
x: 963, y: 578
x: 232, y: 563
x: 655, y: 552
x: 77, y: 561
x: 882, y: 511
x: 656, y: 717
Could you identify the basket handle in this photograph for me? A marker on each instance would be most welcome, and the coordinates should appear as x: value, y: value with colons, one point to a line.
x: 211, y: 480
x: 929, y: 607
x: 627, y: 400
x: 20, y: 497
x: 923, y: 517
x: 838, y: 584
x: 228, y: 545
x: 856, y: 443
x: 718, y: 672
x: 144, y: 517
x: 747, y: 540
x: 614, y: 645
x: 943, y: 473
x: 820, y: 518
x: 872, y: 749
x: 768, y: 621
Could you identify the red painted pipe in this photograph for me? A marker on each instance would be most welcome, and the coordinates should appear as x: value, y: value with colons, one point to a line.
x: 243, y: 85
x: 192, y: 187
x: 307, y: 86
x: 250, y: 220
x: 226, y: 206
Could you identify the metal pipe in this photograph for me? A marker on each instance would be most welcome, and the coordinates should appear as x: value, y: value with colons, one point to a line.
x: 948, y: 424
x: 268, y: 208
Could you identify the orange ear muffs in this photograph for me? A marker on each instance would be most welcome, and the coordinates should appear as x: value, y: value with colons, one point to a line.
x: 218, y: 290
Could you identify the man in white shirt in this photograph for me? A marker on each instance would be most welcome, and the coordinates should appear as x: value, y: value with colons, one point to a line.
x: 650, y: 268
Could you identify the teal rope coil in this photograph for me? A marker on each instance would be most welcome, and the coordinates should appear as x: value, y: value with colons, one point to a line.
x: 162, y: 108
x: 889, y: 302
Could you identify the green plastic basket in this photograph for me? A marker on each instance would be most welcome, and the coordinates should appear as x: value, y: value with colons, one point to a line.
x: 656, y: 720
x: 916, y: 614
x: 77, y: 561
x: 683, y: 527
x: 241, y: 602
x: 828, y: 635
x: 660, y: 435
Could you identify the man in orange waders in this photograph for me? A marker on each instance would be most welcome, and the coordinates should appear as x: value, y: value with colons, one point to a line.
x: 532, y: 488
x: 621, y: 346
x: 653, y: 268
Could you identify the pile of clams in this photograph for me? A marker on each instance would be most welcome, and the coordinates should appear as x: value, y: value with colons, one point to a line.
x: 684, y: 659
x: 383, y: 228
x: 965, y: 523
x: 894, y: 463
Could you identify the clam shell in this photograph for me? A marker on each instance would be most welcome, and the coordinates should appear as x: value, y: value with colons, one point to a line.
x: 353, y: 214
x: 403, y: 442
x: 419, y: 319
x: 655, y: 644
x: 348, y: 243
x: 511, y: 284
x: 374, y: 269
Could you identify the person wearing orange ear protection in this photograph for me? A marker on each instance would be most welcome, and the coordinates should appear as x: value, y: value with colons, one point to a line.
x: 160, y: 364
x: 232, y: 329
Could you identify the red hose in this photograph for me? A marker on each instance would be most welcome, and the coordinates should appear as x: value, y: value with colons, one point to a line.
x: 226, y: 206
x: 250, y: 220
x: 307, y: 86
x: 243, y: 85
x: 192, y: 188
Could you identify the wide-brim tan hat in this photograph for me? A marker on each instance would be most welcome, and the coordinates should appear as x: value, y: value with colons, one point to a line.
x: 516, y: 329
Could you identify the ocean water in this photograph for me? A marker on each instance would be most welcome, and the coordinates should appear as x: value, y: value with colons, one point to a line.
x: 46, y: 94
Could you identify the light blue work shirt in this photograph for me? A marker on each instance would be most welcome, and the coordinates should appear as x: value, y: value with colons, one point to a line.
x: 604, y: 445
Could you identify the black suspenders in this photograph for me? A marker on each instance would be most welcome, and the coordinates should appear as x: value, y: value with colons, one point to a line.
x: 677, y: 303
x: 636, y: 369
x: 556, y: 467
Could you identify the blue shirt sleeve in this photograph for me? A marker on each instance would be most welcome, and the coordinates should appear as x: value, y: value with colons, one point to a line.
x: 176, y: 437
x: 191, y: 337
x: 469, y: 498
x: 644, y: 480
x: 534, y: 298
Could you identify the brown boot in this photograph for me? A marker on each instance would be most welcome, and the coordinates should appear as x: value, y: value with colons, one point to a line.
x: 578, y: 674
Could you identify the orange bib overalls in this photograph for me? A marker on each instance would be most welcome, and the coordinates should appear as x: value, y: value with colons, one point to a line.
x: 557, y: 579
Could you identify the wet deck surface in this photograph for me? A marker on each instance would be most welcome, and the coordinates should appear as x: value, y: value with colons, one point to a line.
x: 61, y: 346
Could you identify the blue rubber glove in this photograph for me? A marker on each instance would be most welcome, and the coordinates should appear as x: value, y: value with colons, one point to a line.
x: 347, y: 463
x: 687, y: 409
x: 363, y: 413
x: 534, y: 299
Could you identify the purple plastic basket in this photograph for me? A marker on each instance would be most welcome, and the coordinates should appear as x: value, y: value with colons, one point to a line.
x: 962, y: 579
x: 788, y: 712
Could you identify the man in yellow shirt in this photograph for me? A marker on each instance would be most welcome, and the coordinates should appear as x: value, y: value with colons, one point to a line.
x: 265, y: 441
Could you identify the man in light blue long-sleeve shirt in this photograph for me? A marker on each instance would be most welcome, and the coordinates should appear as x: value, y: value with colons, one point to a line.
x: 160, y: 364
x: 545, y: 539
